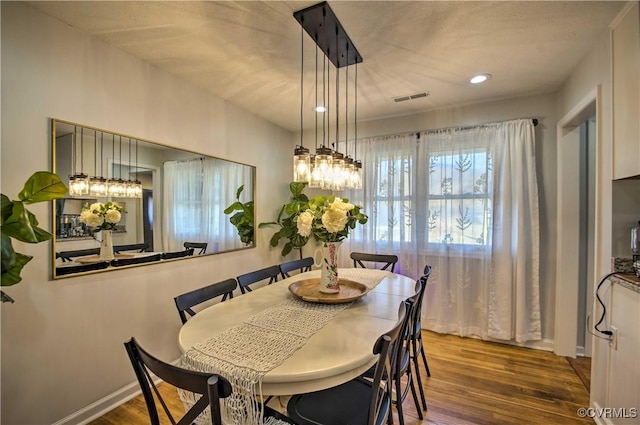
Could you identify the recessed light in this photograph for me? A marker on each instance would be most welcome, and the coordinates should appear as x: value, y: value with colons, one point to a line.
x: 479, y: 78
x: 320, y: 108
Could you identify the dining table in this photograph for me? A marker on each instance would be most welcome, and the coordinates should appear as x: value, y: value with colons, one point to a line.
x: 340, y: 349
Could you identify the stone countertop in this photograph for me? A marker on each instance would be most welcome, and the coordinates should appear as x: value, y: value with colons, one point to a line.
x: 628, y: 280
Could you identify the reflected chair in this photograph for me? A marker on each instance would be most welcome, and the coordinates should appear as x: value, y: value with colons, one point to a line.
x: 177, y: 254
x: 70, y: 255
x: 185, y: 301
x: 359, y: 401
x: 136, y: 260
x: 271, y: 273
x: 388, y: 259
x: 304, y: 265
x: 137, y: 247
x: 61, y: 271
x: 417, y: 343
x: 212, y: 387
x: 202, y: 246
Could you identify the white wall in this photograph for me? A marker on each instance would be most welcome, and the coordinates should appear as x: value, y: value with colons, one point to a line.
x: 62, y: 340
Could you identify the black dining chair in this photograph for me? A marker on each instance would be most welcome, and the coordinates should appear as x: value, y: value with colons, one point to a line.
x: 185, y: 301
x: 177, y: 254
x: 202, y: 246
x: 137, y: 247
x: 359, y: 258
x: 62, y: 271
x: 119, y: 262
x: 303, y: 264
x: 271, y: 273
x: 359, y: 401
x: 70, y: 255
x: 211, y: 387
x: 415, y: 327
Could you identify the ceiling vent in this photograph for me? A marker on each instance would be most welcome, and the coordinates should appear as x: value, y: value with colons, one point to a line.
x: 410, y: 97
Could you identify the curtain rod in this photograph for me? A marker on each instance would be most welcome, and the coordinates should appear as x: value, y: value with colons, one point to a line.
x: 469, y: 127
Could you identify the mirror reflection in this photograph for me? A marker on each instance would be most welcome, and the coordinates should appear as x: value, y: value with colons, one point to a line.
x: 172, y: 200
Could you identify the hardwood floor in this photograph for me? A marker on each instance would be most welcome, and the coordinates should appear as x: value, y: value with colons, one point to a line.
x: 472, y: 382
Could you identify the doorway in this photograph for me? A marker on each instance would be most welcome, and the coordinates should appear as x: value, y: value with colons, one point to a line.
x: 577, y: 148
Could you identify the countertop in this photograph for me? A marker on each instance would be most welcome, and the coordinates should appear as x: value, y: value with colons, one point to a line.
x: 628, y: 280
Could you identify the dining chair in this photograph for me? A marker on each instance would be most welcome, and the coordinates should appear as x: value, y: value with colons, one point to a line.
x: 271, y: 273
x: 212, y: 387
x: 387, y: 259
x: 136, y: 260
x: 177, y: 254
x: 185, y: 301
x: 359, y: 401
x: 61, y: 271
x: 70, y: 255
x: 202, y: 246
x: 402, y: 379
x: 138, y: 247
x: 304, y: 265
x: 417, y: 343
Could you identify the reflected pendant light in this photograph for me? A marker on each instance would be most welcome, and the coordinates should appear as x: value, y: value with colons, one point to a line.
x: 97, y: 184
x: 78, y: 182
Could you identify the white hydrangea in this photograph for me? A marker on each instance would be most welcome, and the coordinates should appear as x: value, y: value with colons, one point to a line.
x: 305, y: 223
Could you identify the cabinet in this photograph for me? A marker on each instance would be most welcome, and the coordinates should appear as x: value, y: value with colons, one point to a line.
x: 625, y: 74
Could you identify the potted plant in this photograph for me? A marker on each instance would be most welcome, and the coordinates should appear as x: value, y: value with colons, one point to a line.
x: 19, y: 223
x: 243, y: 218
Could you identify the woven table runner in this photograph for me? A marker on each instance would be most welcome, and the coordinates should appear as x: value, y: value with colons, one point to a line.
x: 245, y: 353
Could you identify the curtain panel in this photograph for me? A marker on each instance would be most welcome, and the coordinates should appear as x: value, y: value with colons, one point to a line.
x: 465, y: 202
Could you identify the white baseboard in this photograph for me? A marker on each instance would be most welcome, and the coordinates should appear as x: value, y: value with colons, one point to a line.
x: 106, y: 404
x: 599, y: 420
x: 102, y: 406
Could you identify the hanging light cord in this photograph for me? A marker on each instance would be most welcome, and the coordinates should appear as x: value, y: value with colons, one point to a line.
x: 301, y: 88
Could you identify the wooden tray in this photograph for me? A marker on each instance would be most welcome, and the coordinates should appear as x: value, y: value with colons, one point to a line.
x: 90, y: 259
x: 308, y: 290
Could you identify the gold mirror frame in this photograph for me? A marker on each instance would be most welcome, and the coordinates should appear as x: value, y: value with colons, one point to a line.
x: 109, y: 154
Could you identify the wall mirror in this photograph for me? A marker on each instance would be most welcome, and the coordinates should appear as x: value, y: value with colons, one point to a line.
x: 180, y: 198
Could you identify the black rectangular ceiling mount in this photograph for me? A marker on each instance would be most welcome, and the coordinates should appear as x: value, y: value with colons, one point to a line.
x: 325, y: 29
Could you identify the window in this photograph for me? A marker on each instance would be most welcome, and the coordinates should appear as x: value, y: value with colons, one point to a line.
x: 458, y: 197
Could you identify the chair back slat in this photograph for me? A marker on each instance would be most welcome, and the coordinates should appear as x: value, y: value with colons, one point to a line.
x: 136, y: 260
x: 70, y: 255
x: 177, y: 254
x: 185, y: 301
x: 138, y: 247
x: 271, y: 273
x: 304, y: 265
x: 389, y: 260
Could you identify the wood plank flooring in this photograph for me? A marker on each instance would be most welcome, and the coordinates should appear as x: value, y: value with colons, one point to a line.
x: 472, y: 382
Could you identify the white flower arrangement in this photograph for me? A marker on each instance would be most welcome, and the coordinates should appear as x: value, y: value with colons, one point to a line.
x: 101, y: 216
x: 329, y: 219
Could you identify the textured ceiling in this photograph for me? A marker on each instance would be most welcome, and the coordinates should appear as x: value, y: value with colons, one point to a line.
x: 249, y: 52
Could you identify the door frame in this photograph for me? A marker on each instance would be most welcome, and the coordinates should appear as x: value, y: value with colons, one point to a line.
x: 566, y: 300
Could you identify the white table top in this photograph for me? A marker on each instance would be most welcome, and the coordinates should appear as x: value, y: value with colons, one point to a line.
x: 339, y: 352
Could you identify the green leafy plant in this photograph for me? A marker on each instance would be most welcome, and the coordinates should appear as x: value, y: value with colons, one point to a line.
x: 327, y: 218
x: 20, y: 224
x: 243, y: 218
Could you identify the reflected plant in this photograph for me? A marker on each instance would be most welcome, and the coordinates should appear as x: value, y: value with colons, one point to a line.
x: 243, y: 218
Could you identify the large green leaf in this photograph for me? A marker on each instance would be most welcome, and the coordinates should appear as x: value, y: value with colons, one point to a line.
x: 23, y: 225
x: 7, y: 206
x: 42, y: 186
x: 8, y: 255
x: 296, y: 188
x: 239, y: 191
x: 12, y: 276
x: 236, y: 206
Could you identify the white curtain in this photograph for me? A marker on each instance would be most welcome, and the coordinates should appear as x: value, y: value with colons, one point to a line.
x: 196, y: 192
x: 465, y: 202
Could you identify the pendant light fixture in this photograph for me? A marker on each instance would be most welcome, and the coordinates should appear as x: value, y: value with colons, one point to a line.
x: 97, y: 183
x: 134, y: 187
x: 78, y: 182
x: 327, y: 169
x: 116, y: 186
